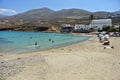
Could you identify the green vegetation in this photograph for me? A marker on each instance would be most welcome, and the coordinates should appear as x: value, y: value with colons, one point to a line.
x: 108, y: 28
x: 91, y: 17
x: 2, y: 78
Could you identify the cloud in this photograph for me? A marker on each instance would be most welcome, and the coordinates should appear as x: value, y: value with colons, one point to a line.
x: 7, y: 11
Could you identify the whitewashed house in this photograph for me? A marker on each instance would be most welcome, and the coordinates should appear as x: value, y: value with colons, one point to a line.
x: 117, y: 26
x: 66, y: 28
x: 81, y: 27
x: 100, y: 23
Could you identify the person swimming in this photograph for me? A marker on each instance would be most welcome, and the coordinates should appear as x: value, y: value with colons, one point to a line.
x: 36, y: 44
x: 49, y: 39
x: 30, y: 37
x: 52, y: 41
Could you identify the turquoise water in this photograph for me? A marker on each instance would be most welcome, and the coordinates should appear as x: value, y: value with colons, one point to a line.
x: 12, y: 42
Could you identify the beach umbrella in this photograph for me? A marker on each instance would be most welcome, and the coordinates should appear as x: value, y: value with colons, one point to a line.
x: 101, y: 35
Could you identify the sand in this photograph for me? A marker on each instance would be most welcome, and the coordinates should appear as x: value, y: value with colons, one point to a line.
x: 82, y: 61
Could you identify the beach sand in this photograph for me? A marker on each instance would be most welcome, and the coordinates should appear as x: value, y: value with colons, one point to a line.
x: 82, y: 61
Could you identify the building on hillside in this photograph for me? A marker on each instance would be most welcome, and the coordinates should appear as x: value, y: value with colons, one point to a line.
x: 117, y: 26
x: 100, y: 23
x: 66, y: 28
x: 81, y: 28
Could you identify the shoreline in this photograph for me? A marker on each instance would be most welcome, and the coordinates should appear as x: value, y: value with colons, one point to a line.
x: 52, y: 47
x: 86, y: 61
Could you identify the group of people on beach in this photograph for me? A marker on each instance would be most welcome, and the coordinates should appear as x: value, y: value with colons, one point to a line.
x: 104, y: 39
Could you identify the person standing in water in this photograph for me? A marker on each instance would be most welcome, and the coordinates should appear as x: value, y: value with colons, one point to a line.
x: 49, y: 39
x: 36, y: 44
x: 52, y: 41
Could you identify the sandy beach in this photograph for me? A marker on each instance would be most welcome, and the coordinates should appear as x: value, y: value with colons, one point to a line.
x: 82, y: 61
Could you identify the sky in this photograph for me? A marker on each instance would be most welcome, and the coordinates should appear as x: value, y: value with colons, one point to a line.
x: 11, y: 7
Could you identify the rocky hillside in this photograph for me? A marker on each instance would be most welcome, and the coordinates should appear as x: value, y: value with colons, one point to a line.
x: 70, y: 13
x: 2, y: 16
x: 31, y: 15
x: 45, y: 17
x: 46, y: 13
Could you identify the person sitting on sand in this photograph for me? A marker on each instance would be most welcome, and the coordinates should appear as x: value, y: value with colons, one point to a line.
x: 107, y: 42
x: 106, y: 37
x: 108, y: 47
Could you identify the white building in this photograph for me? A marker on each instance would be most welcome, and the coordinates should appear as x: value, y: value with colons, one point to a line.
x: 81, y: 27
x: 117, y: 26
x: 100, y: 23
x: 65, y: 25
x: 66, y: 28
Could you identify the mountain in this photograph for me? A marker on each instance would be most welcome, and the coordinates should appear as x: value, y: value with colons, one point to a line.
x: 35, y: 14
x: 45, y: 18
x: 117, y: 12
x: 102, y: 14
x: 70, y: 13
x: 2, y: 16
x: 45, y: 13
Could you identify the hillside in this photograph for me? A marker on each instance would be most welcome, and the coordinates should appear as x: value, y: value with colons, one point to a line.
x: 31, y: 15
x: 45, y: 17
x: 46, y: 14
x: 102, y: 14
x: 70, y: 13
x: 2, y: 16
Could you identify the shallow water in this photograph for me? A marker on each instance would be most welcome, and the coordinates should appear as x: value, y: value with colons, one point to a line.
x: 12, y: 42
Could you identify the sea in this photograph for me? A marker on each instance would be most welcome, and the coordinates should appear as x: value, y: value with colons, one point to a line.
x: 18, y: 42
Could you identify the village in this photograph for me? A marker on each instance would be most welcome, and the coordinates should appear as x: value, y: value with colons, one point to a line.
x: 62, y: 25
x: 95, y: 25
